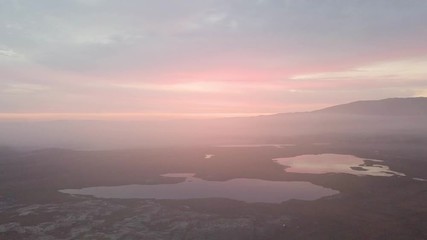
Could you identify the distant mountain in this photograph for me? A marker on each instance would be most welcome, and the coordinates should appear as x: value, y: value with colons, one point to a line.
x: 397, y: 119
x: 388, y: 107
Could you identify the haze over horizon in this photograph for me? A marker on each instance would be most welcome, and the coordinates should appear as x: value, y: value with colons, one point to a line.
x: 213, y: 119
x: 102, y: 59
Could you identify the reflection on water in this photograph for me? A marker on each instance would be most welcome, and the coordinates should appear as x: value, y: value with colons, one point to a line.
x: 243, y: 189
x: 280, y: 145
x: 207, y: 156
x: 178, y: 175
x: 336, y: 163
x: 420, y: 179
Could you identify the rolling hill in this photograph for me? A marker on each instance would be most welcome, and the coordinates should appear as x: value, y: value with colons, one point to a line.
x: 390, y: 106
x: 396, y: 119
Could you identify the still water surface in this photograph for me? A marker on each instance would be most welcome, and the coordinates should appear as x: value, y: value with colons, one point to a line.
x: 243, y: 189
x: 250, y: 190
x: 336, y: 163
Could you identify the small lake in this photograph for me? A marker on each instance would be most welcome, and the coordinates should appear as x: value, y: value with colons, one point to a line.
x: 277, y: 145
x: 336, y: 163
x: 243, y: 189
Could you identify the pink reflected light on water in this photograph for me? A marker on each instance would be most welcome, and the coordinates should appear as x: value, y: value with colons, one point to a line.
x: 335, y: 163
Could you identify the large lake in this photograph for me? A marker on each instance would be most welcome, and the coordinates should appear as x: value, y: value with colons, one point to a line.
x: 243, y: 189
x: 336, y: 163
x: 250, y: 190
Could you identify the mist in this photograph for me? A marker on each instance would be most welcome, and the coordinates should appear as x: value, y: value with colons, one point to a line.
x: 327, y: 125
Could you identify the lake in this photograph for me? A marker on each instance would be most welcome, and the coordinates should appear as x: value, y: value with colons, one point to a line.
x: 336, y: 163
x: 243, y: 189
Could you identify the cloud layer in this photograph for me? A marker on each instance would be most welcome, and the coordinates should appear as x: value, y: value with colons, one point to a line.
x: 207, y: 57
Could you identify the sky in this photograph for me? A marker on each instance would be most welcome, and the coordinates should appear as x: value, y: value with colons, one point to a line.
x: 167, y: 59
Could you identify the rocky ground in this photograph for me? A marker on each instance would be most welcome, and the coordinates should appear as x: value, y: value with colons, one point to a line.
x: 377, y: 208
x: 143, y: 219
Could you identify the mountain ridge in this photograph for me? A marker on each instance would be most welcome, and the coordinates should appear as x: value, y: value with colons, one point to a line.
x: 389, y: 106
x: 402, y: 118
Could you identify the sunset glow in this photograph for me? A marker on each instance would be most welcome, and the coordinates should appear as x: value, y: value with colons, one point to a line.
x: 119, y: 116
x: 192, y: 59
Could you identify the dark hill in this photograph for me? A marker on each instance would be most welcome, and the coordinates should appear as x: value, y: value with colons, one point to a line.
x: 389, y: 107
x: 403, y: 119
